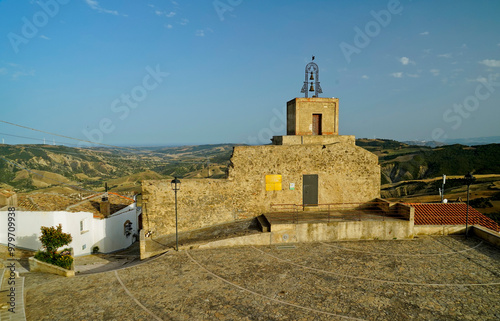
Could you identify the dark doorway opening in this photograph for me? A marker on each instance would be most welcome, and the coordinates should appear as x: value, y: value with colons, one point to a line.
x: 310, y: 190
x: 317, y: 130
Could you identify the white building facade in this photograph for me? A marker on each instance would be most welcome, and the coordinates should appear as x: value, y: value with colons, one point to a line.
x: 116, y: 232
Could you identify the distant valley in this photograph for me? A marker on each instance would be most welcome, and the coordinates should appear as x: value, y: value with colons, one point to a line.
x: 408, y: 172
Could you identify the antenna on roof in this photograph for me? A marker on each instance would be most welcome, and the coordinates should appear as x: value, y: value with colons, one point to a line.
x: 105, y: 196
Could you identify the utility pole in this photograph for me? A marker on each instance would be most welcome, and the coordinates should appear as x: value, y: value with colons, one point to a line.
x: 442, y: 189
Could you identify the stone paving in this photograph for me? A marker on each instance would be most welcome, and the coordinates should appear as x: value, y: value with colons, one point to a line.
x: 428, y: 278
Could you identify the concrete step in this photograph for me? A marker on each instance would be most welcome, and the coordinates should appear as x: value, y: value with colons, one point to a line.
x: 264, y: 224
x: 2, y: 272
x: 17, y: 305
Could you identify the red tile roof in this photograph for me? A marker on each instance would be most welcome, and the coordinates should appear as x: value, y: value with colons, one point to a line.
x: 450, y: 214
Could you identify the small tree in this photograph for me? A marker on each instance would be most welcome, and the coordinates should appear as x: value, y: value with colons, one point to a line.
x: 53, y: 238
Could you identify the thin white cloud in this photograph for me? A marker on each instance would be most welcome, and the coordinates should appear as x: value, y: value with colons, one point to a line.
x: 22, y: 73
x: 365, y: 77
x: 200, y: 33
x: 434, y: 72
x: 464, y: 46
x: 174, y: 3
x: 397, y: 74
x: 170, y: 14
x: 447, y: 55
x: 184, y: 22
x: 406, y: 61
x: 490, y: 62
x: 94, y: 5
x: 16, y: 71
x: 159, y: 12
x: 425, y: 33
x: 413, y: 75
x: 44, y: 37
x: 478, y: 79
x: 482, y: 79
x: 169, y: 26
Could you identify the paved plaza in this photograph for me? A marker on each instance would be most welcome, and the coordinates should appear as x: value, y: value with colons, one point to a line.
x: 428, y: 278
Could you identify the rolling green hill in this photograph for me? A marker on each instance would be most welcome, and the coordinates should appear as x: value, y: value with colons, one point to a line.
x: 30, y: 167
x: 402, y: 162
x: 124, y: 169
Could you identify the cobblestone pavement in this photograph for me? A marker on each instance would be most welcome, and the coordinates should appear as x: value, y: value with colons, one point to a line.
x: 429, y: 278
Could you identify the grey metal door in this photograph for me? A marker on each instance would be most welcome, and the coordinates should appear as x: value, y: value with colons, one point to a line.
x: 310, y: 190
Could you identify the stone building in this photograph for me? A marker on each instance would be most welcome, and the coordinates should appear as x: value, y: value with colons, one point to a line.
x: 8, y: 199
x: 310, y: 166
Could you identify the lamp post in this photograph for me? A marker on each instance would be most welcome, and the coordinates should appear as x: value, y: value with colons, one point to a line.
x: 176, y: 185
x: 469, y: 179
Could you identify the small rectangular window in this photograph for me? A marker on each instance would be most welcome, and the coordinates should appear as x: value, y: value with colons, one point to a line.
x: 83, y: 226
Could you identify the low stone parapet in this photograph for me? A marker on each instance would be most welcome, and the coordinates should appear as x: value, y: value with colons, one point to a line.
x: 39, y: 266
x: 439, y: 229
x: 486, y: 234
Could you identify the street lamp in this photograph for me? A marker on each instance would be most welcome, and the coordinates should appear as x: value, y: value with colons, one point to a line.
x: 176, y: 185
x: 469, y: 179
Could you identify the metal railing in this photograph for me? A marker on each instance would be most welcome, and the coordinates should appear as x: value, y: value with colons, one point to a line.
x: 328, y: 212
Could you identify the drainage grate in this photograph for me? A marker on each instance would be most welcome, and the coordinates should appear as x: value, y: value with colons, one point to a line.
x: 285, y: 247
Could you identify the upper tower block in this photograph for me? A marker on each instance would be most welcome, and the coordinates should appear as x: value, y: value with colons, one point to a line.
x: 312, y: 120
x: 312, y: 116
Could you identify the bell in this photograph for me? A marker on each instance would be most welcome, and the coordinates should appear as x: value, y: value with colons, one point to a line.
x: 312, y: 87
x: 312, y: 77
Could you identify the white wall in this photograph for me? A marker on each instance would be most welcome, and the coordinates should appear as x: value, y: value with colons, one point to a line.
x: 28, y: 228
x: 108, y: 234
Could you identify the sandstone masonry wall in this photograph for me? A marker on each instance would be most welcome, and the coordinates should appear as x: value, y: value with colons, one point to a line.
x: 347, y: 174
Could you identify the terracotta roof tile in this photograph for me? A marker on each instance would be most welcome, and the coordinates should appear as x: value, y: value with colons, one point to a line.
x: 72, y: 203
x: 450, y: 214
x: 7, y: 193
x: 26, y: 204
x: 92, y: 204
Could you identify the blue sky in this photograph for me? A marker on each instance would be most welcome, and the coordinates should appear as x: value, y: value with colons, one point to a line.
x: 161, y: 72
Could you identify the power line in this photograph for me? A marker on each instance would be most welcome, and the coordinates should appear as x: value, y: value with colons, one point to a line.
x: 32, y: 138
x: 81, y: 140
x: 87, y: 141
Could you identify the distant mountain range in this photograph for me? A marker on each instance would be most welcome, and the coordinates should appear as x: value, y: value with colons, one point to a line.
x: 462, y: 141
x: 58, y: 168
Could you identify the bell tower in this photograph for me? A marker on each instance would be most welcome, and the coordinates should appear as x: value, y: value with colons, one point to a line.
x: 312, y: 71
x: 312, y: 120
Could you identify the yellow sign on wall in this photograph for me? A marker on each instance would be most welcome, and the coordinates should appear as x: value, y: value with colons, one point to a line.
x: 273, y: 182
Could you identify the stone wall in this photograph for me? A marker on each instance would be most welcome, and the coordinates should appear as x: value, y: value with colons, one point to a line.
x: 300, y: 111
x: 347, y: 174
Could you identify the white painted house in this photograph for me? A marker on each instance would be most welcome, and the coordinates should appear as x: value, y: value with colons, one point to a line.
x: 115, y: 232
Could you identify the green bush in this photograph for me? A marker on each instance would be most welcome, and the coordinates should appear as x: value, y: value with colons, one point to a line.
x: 63, y: 259
x: 53, y: 238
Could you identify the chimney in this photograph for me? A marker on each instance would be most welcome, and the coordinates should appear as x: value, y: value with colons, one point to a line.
x: 105, y: 207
